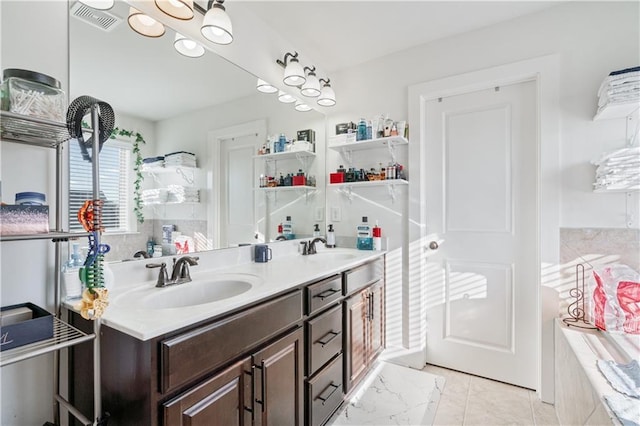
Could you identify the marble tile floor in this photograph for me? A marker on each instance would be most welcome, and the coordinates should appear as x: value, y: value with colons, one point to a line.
x: 400, y: 396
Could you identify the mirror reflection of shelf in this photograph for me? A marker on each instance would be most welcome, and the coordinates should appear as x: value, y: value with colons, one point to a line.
x: 286, y: 188
x: 346, y: 188
x: 389, y: 142
x: 288, y: 155
x: 187, y: 173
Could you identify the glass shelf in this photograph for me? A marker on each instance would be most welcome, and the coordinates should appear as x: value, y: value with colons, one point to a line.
x: 31, y: 130
x: 64, y: 336
x: 57, y: 236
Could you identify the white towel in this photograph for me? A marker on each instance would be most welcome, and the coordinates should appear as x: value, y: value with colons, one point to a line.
x: 625, y: 378
x: 626, y: 409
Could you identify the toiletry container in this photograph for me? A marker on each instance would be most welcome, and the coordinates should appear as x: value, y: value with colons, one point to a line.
x: 34, y: 94
x: 363, y: 233
x: 331, y: 237
x: 287, y: 229
x: 377, y: 237
x: 316, y: 230
x: 362, y: 130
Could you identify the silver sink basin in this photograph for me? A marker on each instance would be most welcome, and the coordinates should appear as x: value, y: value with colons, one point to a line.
x: 197, y: 292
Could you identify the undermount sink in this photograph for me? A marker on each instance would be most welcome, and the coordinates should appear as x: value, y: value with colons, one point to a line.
x: 197, y: 292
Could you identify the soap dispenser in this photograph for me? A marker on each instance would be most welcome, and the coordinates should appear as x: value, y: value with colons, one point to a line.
x: 316, y: 230
x: 331, y: 237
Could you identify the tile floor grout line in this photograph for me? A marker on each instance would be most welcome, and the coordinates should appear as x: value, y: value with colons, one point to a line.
x: 466, y: 402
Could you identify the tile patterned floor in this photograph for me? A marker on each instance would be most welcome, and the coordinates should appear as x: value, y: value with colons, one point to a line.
x: 470, y: 400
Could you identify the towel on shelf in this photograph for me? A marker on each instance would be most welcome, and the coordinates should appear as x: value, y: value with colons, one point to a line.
x: 619, y: 88
x: 625, y: 378
x: 625, y: 409
x: 180, y: 158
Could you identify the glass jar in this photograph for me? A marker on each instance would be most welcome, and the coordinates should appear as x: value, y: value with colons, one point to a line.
x: 33, y: 94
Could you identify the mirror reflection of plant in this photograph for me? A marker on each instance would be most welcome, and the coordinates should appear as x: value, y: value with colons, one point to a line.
x: 137, y: 168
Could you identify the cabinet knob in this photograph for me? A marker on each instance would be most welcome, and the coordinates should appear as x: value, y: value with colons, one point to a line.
x: 433, y: 245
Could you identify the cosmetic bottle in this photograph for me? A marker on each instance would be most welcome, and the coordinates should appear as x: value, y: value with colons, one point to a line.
x: 150, y: 245
x: 377, y: 237
x: 362, y: 130
x: 287, y: 229
x: 364, y: 239
x: 331, y: 237
x: 316, y: 230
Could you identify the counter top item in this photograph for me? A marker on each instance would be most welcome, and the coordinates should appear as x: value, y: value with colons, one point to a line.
x: 144, y: 311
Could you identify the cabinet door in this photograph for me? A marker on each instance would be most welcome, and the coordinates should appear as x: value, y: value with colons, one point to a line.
x: 278, y: 382
x: 223, y: 400
x: 357, y: 312
x: 376, y: 321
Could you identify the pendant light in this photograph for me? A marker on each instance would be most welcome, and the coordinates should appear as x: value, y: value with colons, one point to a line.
x: 179, y: 9
x: 265, y: 87
x: 285, y: 97
x: 188, y: 47
x: 302, y: 107
x: 144, y: 24
x: 216, y: 25
x: 98, y: 4
x: 311, y: 87
x: 293, y: 71
x: 327, y: 96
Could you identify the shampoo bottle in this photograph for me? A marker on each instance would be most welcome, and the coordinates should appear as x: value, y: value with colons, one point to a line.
x: 331, y: 237
x: 377, y: 237
x: 364, y: 239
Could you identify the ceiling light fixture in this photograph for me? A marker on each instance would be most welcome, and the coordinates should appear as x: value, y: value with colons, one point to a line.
x: 311, y: 87
x: 179, y: 9
x: 302, y: 107
x: 265, y: 87
x: 98, y: 4
x: 293, y: 71
x: 216, y: 25
x: 285, y: 97
x: 188, y: 47
x: 327, y: 96
x: 144, y: 24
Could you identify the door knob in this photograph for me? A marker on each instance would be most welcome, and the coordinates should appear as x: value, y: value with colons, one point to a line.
x: 433, y: 245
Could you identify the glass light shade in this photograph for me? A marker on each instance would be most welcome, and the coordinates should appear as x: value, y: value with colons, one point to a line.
x: 98, y: 4
x: 302, y: 107
x: 311, y: 87
x: 188, y: 47
x: 285, y: 97
x: 293, y: 73
x: 265, y: 87
x: 179, y: 9
x: 216, y: 25
x: 327, y: 96
x: 144, y: 24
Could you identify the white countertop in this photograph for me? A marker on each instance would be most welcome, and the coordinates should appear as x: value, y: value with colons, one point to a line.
x: 287, y: 270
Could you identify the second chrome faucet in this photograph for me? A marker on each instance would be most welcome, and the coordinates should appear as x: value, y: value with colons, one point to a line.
x: 180, y: 273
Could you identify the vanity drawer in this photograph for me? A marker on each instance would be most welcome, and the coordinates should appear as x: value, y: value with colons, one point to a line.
x: 323, y: 293
x: 325, y: 393
x: 194, y: 353
x: 364, y: 275
x: 324, y: 338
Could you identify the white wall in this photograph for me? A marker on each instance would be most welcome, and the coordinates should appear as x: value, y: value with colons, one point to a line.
x: 35, y: 42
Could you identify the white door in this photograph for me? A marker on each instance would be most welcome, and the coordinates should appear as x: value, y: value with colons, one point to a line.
x: 237, y: 222
x: 481, y: 160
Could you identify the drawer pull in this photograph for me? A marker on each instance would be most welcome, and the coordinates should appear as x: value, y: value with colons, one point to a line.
x: 330, y: 390
x: 324, y: 340
x: 326, y: 293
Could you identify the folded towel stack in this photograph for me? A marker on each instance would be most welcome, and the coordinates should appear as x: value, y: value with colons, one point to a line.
x: 181, y: 194
x: 151, y: 163
x: 154, y: 196
x: 624, y: 378
x: 619, y: 170
x: 620, y: 87
x: 180, y: 158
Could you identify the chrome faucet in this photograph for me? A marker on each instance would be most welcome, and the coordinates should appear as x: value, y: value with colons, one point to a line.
x: 180, y: 273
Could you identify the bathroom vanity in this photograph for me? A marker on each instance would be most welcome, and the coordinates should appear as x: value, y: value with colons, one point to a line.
x: 285, y: 352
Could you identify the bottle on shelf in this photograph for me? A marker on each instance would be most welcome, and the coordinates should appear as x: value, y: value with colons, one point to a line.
x: 331, y: 237
x: 363, y: 232
x: 362, y: 130
x: 287, y: 229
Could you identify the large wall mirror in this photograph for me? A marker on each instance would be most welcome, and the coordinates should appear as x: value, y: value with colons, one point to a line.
x: 205, y: 106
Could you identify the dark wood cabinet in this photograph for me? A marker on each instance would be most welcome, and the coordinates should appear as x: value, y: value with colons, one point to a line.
x: 278, y: 382
x: 364, y: 332
x: 224, y: 400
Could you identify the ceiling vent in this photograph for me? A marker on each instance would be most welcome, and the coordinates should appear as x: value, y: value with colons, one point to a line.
x: 98, y: 18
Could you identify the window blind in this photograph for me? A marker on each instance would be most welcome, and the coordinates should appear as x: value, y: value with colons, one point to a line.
x: 115, y: 187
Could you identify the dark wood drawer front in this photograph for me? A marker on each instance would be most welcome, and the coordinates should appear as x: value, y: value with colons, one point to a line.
x: 325, y: 338
x: 325, y: 393
x: 364, y: 275
x: 323, y: 293
x: 194, y: 353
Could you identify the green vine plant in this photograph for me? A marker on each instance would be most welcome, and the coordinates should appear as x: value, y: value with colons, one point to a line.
x: 137, y: 167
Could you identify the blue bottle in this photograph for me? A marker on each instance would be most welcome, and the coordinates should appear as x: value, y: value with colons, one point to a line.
x: 362, y: 130
x: 282, y: 140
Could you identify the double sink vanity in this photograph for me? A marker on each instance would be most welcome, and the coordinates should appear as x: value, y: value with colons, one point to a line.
x: 276, y: 343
